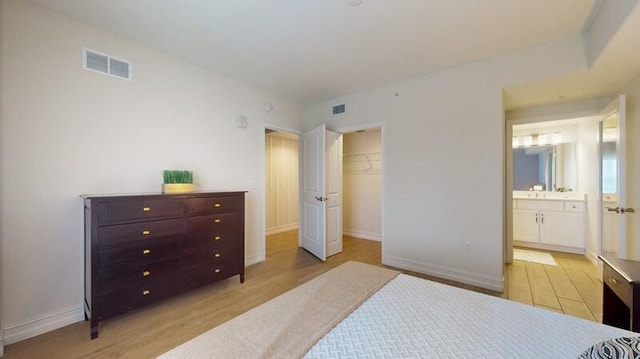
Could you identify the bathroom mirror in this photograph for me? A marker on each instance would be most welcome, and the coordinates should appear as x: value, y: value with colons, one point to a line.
x: 545, y: 168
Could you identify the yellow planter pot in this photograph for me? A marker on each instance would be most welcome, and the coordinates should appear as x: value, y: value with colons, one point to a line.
x: 177, y: 187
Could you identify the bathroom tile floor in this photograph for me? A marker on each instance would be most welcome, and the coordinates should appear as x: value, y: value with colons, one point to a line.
x: 572, y: 287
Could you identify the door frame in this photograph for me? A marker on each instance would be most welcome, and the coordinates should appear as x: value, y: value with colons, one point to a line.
x: 263, y: 229
x: 371, y: 126
x: 618, y: 106
x: 365, y: 126
x: 584, y: 111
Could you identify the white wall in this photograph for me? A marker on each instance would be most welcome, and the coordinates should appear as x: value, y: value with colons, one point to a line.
x: 632, y: 92
x: 1, y: 164
x: 568, y: 167
x: 281, y: 161
x: 362, y: 185
x: 68, y: 131
x: 443, y: 147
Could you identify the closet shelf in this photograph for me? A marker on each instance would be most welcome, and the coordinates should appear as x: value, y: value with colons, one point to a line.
x: 362, y: 162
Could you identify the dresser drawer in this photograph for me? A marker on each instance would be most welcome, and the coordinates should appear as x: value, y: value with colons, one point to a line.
x: 212, y: 254
x: 138, y: 293
x: 214, y: 223
x: 117, y: 234
x: 214, y: 205
x: 139, y: 209
x: 136, y: 270
x: 618, y: 284
x: 218, y: 236
x: 152, y: 251
x: 203, y: 273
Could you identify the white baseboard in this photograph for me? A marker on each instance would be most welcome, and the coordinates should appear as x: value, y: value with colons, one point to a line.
x: 280, y: 229
x: 257, y: 258
x: 593, y: 257
x: 362, y: 234
x: 496, y: 284
x: 42, y: 324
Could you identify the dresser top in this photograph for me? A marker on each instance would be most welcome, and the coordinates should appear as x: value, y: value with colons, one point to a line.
x: 159, y: 194
x: 629, y: 269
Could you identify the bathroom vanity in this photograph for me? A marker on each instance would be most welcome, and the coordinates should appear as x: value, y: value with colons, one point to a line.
x: 549, y: 220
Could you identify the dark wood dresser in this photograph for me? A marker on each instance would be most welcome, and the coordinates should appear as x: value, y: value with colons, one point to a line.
x: 143, y: 248
x: 621, y: 293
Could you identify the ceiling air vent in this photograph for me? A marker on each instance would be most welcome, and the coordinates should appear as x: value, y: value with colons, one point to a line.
x: 108, y: 65
x: 338, y: 109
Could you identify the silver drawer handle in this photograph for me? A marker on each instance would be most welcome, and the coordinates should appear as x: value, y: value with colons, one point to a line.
x: 614, y: 281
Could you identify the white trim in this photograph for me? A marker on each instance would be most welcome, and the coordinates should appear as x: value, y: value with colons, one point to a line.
x: 42, y: 324
x: 263, y: 166
x: 1, y: 344
x: 364, y: 126
x: 362, y: 234
x: 257, y: 258
x: 593, y: 257
x: 280, y: 229
x: 496, y: 284
x: 281, y: 129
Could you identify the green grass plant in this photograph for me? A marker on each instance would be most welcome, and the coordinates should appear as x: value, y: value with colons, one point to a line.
x: 177, y: 176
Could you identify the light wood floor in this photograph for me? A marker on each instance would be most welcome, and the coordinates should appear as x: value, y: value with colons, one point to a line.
x: 154, y: 330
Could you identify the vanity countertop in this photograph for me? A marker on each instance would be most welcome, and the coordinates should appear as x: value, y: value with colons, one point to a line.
x: 549, y: 196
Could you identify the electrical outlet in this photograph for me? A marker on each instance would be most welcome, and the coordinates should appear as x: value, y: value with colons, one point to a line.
x: 467, y: 246
x: 241, y: 121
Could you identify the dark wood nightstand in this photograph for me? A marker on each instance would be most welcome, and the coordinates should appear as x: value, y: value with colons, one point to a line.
x: 621, y: 293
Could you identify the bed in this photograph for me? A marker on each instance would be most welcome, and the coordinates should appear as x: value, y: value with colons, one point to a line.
x: 361, y: 311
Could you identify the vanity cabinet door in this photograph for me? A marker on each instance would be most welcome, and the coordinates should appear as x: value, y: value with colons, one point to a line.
x: 525, y: 225
x: 562, y: 229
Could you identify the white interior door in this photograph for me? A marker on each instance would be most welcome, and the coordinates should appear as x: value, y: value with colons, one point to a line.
x: 321, y: 187
x: 612, y: 179
x: 333, y: 185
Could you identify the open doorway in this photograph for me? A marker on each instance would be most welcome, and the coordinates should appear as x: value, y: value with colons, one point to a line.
x: 281, y: 187
x: 362, y: 184
x: 362, y: 181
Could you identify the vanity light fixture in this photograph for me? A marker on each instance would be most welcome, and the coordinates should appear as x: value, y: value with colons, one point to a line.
x: 543, y: 140
x: 515, y: 142
x: 609, y: 134
x: 536, y: 140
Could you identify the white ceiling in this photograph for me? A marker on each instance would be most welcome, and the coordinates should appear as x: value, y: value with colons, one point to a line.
x: 311, y: 51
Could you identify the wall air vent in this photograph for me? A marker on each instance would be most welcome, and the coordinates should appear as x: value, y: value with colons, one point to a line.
x: 108, y: 65
x: 338, y: 109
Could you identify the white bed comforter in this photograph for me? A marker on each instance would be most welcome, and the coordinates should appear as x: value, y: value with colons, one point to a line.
x: 414, y: 318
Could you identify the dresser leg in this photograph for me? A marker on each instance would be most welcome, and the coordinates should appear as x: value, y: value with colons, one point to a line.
x: 241, y: 277
x: 94, y: 329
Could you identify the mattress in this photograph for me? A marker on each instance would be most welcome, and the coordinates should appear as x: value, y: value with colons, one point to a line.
x: 415, y: 318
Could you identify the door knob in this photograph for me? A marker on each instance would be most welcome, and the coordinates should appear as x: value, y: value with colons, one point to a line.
x: 627, y: 210
x: 321, y: 199
x: 613, y: 209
